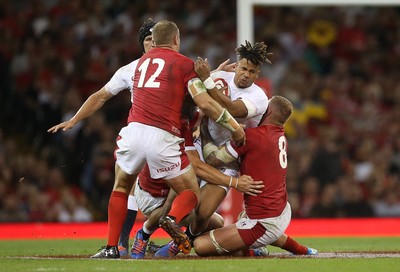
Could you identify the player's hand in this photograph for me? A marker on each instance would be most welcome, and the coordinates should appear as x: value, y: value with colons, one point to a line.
x: 226, y: 66
x: 247, y: 185
x: 239, y: 136
x: 202, y: 68
x: 64, y: 126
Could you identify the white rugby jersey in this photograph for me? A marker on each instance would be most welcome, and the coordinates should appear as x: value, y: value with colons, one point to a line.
x: 253, y: 97
x: 122, y: 79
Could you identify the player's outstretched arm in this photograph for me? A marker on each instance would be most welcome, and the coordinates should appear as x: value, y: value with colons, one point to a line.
x: 90, y: 106
x: 244, y: 184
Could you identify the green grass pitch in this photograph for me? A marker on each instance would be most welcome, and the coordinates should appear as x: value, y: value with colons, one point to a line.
x: 47, y: 255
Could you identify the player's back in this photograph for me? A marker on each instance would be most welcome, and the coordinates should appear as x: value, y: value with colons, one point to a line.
x: 160, y: 84
x: 265, y: 158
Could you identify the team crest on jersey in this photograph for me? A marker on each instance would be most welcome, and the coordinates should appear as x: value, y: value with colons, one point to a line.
x: 222, y: 84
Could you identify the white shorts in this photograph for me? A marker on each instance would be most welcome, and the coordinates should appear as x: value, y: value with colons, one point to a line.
x: 163, y: 151
x: 274, y: 228
x: 229, y: 172
x: 146, y: 202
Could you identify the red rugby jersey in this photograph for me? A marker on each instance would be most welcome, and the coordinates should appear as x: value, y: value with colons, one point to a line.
x: 160, y: 85
x: 264, y: 157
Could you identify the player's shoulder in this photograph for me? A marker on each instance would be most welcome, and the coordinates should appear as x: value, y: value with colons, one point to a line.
x: 256, y: 92
x: 128, y: 68
x: 171, y: 54
x: 183, y: 58
x: 257, y: 89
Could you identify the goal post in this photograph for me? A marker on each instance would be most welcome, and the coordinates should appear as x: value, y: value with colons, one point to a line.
x: 245, y: 11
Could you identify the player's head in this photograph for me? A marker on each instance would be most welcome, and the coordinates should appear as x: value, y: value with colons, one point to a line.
x: 249, y: 64
x: 278, y: 111
x: 166, y: 33
x: 145, y: 35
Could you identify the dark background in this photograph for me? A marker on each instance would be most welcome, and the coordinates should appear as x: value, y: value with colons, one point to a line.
x: 338, y: 65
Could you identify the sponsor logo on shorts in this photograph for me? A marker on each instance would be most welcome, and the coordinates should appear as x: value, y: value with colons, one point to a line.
x: 169, y: 168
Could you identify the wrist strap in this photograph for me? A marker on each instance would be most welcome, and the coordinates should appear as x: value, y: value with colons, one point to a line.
x: 209, y: 83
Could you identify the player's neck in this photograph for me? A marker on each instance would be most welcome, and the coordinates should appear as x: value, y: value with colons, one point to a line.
x: 168, y: 46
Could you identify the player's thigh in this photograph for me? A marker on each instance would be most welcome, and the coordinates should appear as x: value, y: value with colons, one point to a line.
x: 123, y: 181
x: 211, y: 196
x: 185, y: 181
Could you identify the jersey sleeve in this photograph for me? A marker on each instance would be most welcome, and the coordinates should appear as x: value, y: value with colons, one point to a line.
x: 122, y: 79
x: 238, y: 151
x: 256, y: 102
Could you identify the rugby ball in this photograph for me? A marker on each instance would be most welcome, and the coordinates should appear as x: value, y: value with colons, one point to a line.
x: 223, y: 86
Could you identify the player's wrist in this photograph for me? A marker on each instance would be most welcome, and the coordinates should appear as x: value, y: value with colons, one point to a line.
x: 236, y: 183
x: 209, y: 83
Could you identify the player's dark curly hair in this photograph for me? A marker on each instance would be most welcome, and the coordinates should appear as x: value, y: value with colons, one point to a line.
x: 145, y: 30
x: 256, y: 54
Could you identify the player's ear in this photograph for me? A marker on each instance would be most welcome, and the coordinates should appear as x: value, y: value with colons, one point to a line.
x: 176, y: 39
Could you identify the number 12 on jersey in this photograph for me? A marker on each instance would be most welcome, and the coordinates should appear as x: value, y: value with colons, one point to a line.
x: 152, y: 81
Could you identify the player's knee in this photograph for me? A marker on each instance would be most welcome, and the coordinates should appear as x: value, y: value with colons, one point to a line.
x: 199, y: 246
x: 217, y: 221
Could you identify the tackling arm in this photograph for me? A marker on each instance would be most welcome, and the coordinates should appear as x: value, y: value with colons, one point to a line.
x: 244, y: 183
x: 215, y: 111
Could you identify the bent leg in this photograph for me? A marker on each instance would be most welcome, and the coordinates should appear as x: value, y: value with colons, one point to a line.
x: 222, y: 241
x: 211, y: 196
x: 187, y: 189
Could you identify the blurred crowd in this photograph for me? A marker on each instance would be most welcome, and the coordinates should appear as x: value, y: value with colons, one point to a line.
x: 338, y: 65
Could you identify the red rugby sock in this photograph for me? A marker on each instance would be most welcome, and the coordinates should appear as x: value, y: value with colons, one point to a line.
x: 294, y: 247
x: 117, y: 210
x: 183, y: 204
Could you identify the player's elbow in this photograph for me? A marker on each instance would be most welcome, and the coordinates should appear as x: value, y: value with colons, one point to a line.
x: 212, y: 160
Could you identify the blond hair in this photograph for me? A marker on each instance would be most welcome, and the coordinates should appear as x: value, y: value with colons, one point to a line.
x: 282, y: 108
x: 164, y: 32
